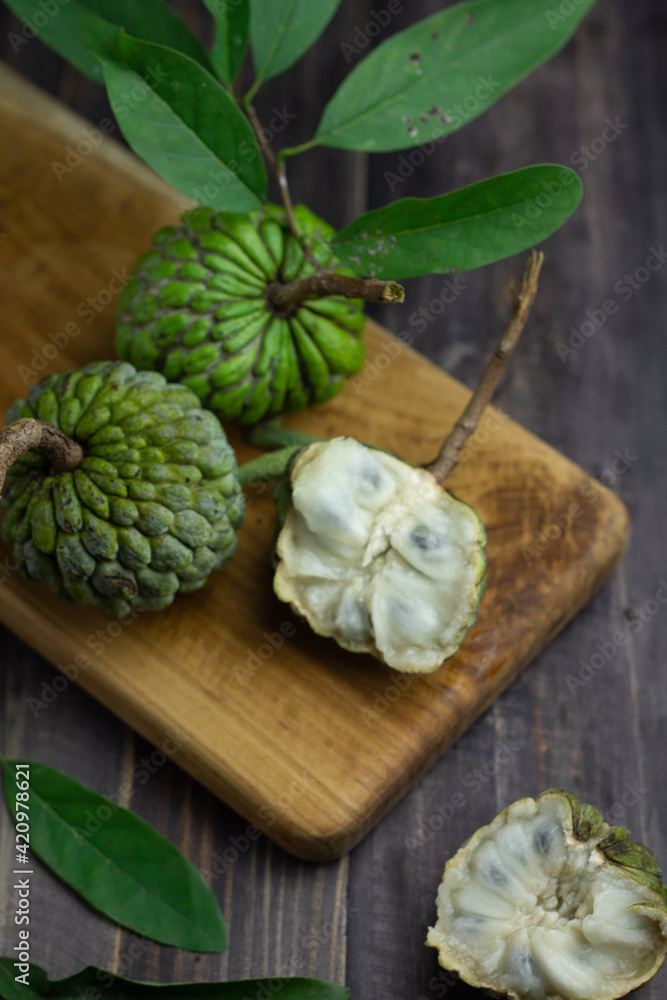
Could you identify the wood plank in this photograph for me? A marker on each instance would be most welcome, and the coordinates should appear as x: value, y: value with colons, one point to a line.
x: 610, y: 395
x: 290, y: 746
x: 602, y: 736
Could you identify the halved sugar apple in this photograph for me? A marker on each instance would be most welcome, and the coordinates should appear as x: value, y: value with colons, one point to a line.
x: 151, y: 507
x: 197, y: 308
x: 377, y: 555
x: 549, y: 902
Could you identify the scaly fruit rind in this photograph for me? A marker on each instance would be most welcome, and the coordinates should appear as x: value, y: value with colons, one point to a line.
x: 195, y: 308
x: 152, y: 508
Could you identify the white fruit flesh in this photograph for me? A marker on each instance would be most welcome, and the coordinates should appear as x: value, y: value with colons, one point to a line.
x: 530, y: 911
x: 376, y: 554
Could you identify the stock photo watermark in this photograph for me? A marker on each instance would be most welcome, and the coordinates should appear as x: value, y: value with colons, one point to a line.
x: 419, y: 320
x: 606, y: 651
x: 504, y: 753
x: 248, y: 150
x: 581, y: 158
x: 75, y: 155
x: 48, y: 9
x: 561, y: 13
x: 97, y: 642
x: 383, y: 700
x: 87, y: 310
x: 142, y: 771
x: 268, y: 813
x: 624, y: 289
x: 590, y: 492
x: 364, y: 34
x: 453, y: 117
x: 256, y: 659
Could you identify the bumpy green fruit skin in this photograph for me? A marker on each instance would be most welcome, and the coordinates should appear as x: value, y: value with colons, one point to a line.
x: 151, y: 510
x: 195, y: 308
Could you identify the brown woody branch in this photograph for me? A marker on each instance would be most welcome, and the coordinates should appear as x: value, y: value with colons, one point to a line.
x: 24, y: 435
x: 326, y: 283
x: 448, y: 455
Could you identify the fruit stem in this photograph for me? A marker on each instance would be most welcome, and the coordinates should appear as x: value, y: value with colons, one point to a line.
x: 270, y: 435
x: 318, y: 286
x: 267, y: 467
x: 23, y: 435
x: 448, y: 455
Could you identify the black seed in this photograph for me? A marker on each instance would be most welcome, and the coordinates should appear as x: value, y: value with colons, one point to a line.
x: 544, y: 839
x: 521, y: 965
x: 469, y: 924
x: 371, y: 475
x: 336, y: 522
x: 425, y: 539
x: 497, y: 875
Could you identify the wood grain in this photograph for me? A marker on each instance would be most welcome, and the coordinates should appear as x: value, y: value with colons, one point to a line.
x: 310, y: 744
x: 363, y: 919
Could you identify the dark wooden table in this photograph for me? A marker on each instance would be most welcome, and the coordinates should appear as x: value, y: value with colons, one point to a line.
x: 362, y: 920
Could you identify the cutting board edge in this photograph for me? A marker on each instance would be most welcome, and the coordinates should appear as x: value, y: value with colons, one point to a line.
x: 345, y: 834
x: 351, y: 828
x: 344, y: 839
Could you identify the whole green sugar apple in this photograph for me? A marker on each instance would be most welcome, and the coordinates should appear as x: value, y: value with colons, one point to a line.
x: 147, y: 507
x: 206, y: 307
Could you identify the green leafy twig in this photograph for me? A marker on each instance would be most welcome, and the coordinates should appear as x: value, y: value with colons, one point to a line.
x: 418, y: 86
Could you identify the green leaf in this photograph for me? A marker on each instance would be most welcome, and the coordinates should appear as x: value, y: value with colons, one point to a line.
x: 429, y: 80
x: 11, y: 990
x: 232, y: 22
x: 183, y: 122
x: 118, y: 862
x: 81, y: 29
x: 152, y: 21
x: 461, y: 230
x: 282, y: 30
x: 96, y: 982
x: 73, y: 32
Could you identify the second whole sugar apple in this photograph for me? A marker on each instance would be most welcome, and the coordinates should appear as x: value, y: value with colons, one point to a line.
x: 200, y: 307
x: 151, y: 509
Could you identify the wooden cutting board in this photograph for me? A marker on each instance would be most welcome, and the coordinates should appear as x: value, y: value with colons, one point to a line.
x: 311, y: 744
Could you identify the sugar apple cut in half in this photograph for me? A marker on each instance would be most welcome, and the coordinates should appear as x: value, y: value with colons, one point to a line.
x: 376, y: 554
x: 198, y: 307
x: 549, y: 902
x: 148, y: 508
